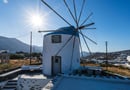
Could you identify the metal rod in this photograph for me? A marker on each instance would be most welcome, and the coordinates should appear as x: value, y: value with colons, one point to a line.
x: 88, y: 38
x: 56, y: 12
x: 64, y: 45
x: 69, y: 10
x: 75, y: 13
x: 83, y: 3
x: 72, y: 53
x: 87, y: 25
x: 30, y: 47
x: 86, y: 44
x: 89, y: 28
x: 80, y: 47
x: 106, y: 55
x: 59, y: 30
x: 49, y: 31
x: 86, y: 18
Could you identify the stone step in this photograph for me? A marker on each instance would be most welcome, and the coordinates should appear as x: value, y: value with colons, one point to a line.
x: 9, y: 89
x: 11, y: 83
x: 10, y: 86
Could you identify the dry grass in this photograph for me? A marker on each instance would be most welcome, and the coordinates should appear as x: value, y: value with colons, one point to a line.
x: 16, y: 63
x: 89, y: 64
x: 118, y: 70
x: 112, y: 69
x: 22, y: 62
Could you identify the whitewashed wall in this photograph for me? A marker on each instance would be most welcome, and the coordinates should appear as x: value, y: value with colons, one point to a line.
x: 50, y: 49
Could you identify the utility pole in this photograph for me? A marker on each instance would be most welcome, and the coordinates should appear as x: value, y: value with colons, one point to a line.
x: 30, y: 47
x: 106, y: 43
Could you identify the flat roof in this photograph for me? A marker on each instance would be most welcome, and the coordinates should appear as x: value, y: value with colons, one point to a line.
x: 91, y: 83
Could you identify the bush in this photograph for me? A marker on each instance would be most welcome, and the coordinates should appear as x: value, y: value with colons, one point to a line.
x: 16, y: 56
x: 4, y: 66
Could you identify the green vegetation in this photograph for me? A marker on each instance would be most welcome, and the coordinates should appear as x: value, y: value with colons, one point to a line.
x: 22, y: 55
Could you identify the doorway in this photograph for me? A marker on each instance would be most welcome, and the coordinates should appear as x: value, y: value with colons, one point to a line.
x: 56, y: 65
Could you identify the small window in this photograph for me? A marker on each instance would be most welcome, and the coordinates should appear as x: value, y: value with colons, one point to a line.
x: 56, y: 39
x: 56, y: 58
x: 56, y: 61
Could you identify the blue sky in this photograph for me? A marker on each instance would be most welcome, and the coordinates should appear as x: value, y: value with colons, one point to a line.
x: 112, y: 18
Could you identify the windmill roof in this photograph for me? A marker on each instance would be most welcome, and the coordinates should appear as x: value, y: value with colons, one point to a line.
x: 65, y: 30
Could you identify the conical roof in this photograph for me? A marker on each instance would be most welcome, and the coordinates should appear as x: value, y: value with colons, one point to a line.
x: 65, y: 30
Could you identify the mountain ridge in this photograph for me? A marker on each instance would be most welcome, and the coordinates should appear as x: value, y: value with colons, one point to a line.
x: 15, y: 45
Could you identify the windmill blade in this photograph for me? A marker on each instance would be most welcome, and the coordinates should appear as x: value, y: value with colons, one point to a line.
x: 56, y: 12
x: 86, y: 18
x: 80, y: 47
x: 86, y: 43
x: 83, y: 3
x: 87, y: 25
x: 72, y: 53
x: 88, y: 38
x: 69, y: 10
x: 64, y: 45
x: 75, y: 12
x: 90, y: 24
x: 89, y: 28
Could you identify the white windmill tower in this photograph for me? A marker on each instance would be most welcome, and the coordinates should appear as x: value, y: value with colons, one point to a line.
x: 61, y: 47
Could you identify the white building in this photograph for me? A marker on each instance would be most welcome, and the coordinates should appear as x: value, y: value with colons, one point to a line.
x: 59, y: 54
x: 122, y: 57
x: 4, y: 56
x: 128, y: 58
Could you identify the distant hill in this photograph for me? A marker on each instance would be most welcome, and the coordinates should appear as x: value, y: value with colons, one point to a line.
x: 127, y: 52
x: 84, y: 54
x: 15, y: 45
x: 111, y: 55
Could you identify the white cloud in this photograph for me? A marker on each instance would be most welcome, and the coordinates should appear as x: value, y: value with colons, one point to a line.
x: 5, y: 1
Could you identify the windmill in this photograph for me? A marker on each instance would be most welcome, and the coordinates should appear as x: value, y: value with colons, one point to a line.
x: 67, y: 42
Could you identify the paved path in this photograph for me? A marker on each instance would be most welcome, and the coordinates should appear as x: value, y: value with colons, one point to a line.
x: 11, y: 72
